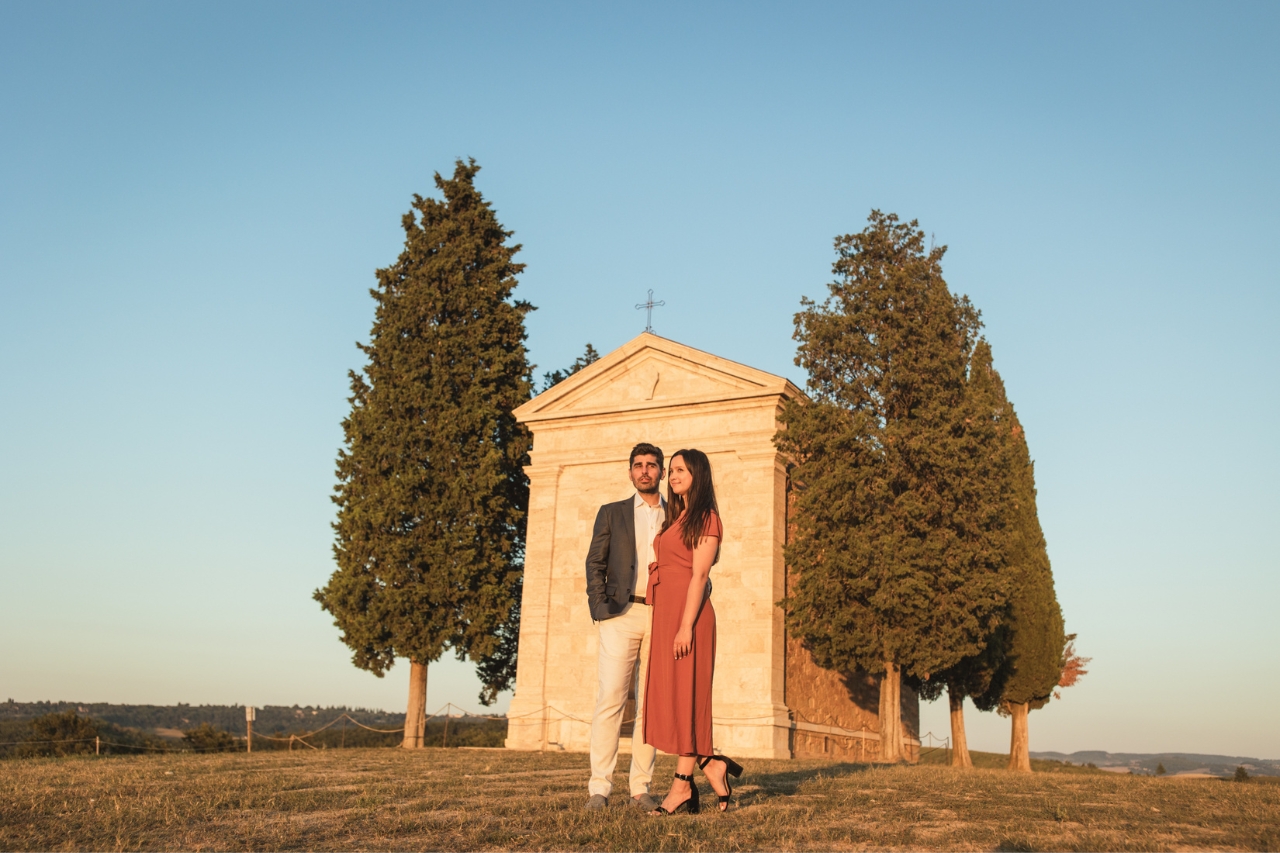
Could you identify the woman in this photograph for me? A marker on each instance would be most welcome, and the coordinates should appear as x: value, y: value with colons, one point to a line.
x: 682, y: 650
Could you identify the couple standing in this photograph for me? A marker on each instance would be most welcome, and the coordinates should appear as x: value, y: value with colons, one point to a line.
x: 663, y: 550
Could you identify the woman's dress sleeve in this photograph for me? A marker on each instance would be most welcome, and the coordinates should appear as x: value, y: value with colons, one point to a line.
x: 713, y: 526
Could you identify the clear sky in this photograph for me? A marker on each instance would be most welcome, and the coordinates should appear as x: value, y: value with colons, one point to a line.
x: 194, y: 198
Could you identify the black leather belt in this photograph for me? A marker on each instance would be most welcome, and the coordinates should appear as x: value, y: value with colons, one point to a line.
x: 638, y: 599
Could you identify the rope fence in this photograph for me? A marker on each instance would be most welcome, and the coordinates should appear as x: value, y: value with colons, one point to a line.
x: 935, y: 743
x: 848, y: 736
x: 445, y: 711
x: 100, y: 742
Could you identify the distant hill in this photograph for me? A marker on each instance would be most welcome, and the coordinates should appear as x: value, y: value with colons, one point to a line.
x: 165, y: 725
x: 1174, y: 762
x: 166, y: 719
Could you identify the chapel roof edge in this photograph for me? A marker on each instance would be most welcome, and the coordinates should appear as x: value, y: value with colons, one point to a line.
x: 650, y: 347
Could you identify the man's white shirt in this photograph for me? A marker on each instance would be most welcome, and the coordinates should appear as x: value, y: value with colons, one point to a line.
x: 648, y: 522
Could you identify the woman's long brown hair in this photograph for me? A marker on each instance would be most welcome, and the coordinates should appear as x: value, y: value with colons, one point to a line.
x: 700, y: 500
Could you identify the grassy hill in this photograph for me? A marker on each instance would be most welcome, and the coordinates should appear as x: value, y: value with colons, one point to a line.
x: 390, y: 799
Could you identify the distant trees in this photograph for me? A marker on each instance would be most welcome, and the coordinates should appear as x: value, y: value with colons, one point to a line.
x: 71, y: 733
x: 431, y: 489
x: 207, y: 738
x: 900, y: 493
x: 67, y: 733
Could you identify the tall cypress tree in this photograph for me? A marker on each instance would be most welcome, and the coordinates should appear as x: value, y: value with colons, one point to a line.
x: 896, y: 567
x: 431, y: 489
x: 1032, y: 638
x: 1024, y: 659
x: 990, y: 414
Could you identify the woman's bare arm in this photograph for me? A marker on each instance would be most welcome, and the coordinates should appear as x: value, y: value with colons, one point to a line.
x: 704, y: 554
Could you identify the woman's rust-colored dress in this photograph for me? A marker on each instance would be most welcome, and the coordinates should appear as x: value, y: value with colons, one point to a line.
x: 677, y: 695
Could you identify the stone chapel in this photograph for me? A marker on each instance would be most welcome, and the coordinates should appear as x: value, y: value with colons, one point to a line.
x: 770, y: 699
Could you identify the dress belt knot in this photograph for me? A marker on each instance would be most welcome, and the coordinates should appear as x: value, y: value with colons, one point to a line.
x: 653, y: 582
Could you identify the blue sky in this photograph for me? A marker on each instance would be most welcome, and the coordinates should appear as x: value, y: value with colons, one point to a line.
x: 194, y: 197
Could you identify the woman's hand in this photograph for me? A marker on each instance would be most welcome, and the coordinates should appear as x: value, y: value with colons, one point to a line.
x: 684, y: 641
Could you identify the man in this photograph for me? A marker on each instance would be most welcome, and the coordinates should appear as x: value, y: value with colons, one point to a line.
x: 617, y: 577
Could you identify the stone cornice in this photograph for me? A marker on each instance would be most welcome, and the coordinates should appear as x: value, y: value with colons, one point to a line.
x: 742, y: 384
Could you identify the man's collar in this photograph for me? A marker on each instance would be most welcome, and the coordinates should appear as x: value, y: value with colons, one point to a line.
x: 639, y: 501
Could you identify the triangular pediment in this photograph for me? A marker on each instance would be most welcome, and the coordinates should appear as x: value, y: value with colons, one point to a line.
x: 652, y: 372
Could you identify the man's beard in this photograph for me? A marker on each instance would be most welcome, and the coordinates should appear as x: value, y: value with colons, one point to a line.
x: 651, y: 490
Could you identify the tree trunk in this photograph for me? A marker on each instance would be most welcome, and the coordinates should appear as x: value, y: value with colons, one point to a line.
x: 415, y: 716
x: 1020, y: 742
x: 891, y: 713
x: 959, y: 743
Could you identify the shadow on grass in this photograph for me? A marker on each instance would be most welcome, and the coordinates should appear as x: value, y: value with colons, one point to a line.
x: 788, y: 782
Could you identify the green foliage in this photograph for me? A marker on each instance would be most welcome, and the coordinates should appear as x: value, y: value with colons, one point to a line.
x: 229, y: 718
x: 555, y: 377
x: 431, y: 489
x: 1160, y: 771
x: 1031, y: 637
x: 70, y: 733
x: 988, y: 403
x: 206, y: 738
x: 20, y: 739
x: 900, y: 504
x: 67, y: 733
x: 12, y: 734
x: 1242, y: 775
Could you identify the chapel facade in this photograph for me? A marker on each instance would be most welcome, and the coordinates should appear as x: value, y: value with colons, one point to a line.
x: 770, y: 699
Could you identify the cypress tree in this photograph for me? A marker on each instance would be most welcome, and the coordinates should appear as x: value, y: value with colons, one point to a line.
x: 990, y: 417
x: 431, y: 489
x: 896, y: 569
x: 555, y: 377
x: 1031, y: 639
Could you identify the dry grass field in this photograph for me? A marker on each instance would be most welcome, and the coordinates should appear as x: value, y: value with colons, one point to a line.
x: 452, y: 799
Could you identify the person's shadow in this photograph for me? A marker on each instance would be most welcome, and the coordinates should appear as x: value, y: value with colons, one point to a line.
x: 766, y: 786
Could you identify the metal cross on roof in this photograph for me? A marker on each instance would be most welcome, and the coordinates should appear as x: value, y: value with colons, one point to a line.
x: 648, y: 307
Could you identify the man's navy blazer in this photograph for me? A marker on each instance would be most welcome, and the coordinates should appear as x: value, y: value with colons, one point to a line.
x: 611, y: 560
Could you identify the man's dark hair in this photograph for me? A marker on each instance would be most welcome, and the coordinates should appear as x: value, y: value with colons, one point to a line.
x: 644, y: 449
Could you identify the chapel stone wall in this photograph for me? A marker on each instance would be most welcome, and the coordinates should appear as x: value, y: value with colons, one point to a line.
x: 837, y: 715
x: 770, y: 699
x: 578, y: 462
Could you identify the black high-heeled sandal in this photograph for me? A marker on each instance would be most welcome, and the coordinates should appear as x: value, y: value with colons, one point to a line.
x: 731, y: 768
x: 689, y: 805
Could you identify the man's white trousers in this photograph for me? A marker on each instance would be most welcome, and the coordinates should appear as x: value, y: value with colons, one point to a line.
x: 623, y: 661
